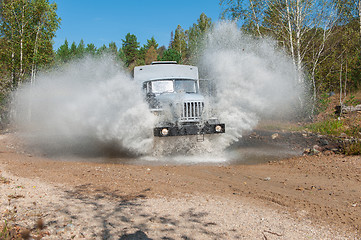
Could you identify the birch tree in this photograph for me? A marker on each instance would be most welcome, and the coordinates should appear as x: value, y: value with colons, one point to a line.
x: 359, y: 14
x: 351, y: 10
x: 179, y: 42
x: 28, y: 27
x: 196, y: 35
x: 45, y: 23
x: 300, y: 26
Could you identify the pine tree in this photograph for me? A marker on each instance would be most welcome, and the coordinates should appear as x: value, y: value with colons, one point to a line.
x: 196, y: 35
x: 102, y: 50
x: 91, y: 49
x: 180, y: 42
x: 160, y: 52
x: 73, y: 50
x: 151, y: 43
x: 151, y: 55
x: 113, y: 49
x: 172, y: 55
x: 130, y: 49
x: 80, y: 50
x: 63, y: 52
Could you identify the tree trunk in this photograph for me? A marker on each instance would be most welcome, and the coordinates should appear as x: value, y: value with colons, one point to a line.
x: 314, y: 91
x: 22, y: 45
x: 345, y: 87
x: 359, y: 14
x: 341, y: 85
x: 255, y: 18
x: 347, y: 109
x: 298, y: 40
x: 13, y: 78
x: 290, y: 32
x: 35, y: 52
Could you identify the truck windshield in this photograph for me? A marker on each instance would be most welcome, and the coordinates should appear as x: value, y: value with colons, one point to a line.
x: 177, y: 85
x: 188, y: 86
x: 162, y: 86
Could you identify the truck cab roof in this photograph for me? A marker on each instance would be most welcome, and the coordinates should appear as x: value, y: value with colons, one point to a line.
x: 165, y: 70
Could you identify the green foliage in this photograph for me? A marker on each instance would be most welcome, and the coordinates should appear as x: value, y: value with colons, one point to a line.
x: 354, y: 130
x: 324, y: 102
x: 121, y: 55
x: 356, y: 72
x: 101, y: 50
x: 73, y: 52
x: 113, y: 49
x: 139, y: 62
x: 90, y: 49
x: 62, y: 54
x: 323, y: 39
x: 352, y: 148
x: 28, y: 28
x: 330, y: 127
x: 351, y: 101
x: 179, y: 42
x: 349, y: 10
x: 5, y: 231
x: 171, y: 55
x: 80, y: 50
x: 65, y: 54
x: 141, y: 53
x: 151, y: 55
x: 151, y: 43
x: 8, y: 232
x: 196, y: 36
x: 130, y: 48
x: 160, y: 52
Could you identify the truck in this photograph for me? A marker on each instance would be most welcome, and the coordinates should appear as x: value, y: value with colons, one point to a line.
x: 173, y: 94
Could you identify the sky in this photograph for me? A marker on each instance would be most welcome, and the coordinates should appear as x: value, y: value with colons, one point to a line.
x: 101, y: 22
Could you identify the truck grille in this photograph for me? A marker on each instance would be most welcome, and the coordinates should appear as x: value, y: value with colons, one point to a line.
x: 192, y: 111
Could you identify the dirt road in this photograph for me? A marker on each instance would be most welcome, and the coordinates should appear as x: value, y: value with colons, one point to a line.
x: 310, y: 197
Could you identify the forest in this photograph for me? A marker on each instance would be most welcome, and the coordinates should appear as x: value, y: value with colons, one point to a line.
x: 322, y: 37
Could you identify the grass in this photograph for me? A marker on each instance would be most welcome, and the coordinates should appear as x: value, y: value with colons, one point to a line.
x: 352, y: 148
x: 335, y: 127
x: 5, y: 231
x: 8, y: 232
x: 4, y: 180
x: 327, y: 127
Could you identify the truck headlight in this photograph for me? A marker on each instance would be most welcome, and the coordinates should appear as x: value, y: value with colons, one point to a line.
x: 218, y: 128
x: 165, y: 132
x: 157, y: 112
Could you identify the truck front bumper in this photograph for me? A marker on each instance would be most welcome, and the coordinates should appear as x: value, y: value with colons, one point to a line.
x: 189, y: 130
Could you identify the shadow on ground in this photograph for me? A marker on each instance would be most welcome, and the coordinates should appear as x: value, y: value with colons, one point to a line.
x: 111, y: 215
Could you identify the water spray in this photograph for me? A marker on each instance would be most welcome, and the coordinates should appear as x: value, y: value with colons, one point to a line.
x: 93, y: 105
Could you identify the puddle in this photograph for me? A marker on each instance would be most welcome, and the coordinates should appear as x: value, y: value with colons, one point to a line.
x: 256, y: 148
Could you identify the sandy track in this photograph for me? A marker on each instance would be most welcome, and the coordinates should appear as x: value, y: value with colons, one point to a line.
x: 315, y: 197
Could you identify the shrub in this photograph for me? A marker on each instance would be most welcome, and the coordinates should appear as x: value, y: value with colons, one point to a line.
x: 352, y: 148
x: 330, y: 127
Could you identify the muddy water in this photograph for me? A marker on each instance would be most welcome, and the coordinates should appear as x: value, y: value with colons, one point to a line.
x: 255, y: 148
x: 248, y: 155
x: 261, y: 154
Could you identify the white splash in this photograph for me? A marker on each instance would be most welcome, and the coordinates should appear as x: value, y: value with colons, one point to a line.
x: 89, y: 103
x: 93, y: 105
x: 253, y: 78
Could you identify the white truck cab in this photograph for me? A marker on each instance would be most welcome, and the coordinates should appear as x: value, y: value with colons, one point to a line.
x: 173, y: 94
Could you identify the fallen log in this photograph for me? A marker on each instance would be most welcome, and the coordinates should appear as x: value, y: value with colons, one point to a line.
x: 347, y: 109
